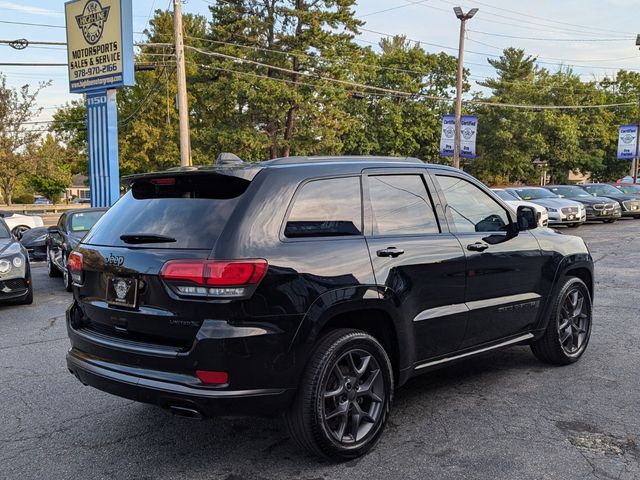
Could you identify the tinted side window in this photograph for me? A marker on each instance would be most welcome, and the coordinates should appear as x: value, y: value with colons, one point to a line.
x: 326, y: 208
x: 401, y: 205
x: 471, y: 208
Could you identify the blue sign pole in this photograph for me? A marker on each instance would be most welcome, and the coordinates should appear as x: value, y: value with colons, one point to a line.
x: 102, y: 129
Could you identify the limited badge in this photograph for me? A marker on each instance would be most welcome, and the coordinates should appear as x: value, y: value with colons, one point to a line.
x: 92, y: 21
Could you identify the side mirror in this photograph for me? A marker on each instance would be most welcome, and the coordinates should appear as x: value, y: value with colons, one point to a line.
x: 55, y: 230
x: 527, y: 218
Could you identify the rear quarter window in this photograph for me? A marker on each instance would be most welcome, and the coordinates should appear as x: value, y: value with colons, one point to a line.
x: 329, y: 207
x: 191, y: 209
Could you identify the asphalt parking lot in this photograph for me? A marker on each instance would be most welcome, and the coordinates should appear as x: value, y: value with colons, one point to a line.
x: 500, y: 416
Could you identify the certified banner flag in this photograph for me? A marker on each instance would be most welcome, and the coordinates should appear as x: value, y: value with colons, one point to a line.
x: 627, y: 139
x: 468, y: 130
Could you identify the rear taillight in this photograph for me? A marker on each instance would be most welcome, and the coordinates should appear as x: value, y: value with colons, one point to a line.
x: 75, y: 266
x: 214, y: 278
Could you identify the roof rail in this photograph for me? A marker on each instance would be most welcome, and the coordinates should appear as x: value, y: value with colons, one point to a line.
x: 347, y: 158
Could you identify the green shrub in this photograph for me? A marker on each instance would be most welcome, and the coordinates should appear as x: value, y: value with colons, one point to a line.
x: 24, y: 198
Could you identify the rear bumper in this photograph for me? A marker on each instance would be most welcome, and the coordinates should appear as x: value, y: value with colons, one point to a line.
x: 166, y: 392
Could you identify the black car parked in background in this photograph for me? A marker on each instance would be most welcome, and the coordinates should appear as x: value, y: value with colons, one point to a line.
x: 35, y: 241
x: 598, y: 208
x: 314, y: 287
x: 629, y: 203
x: 65, y: 236
x: 15, y: 271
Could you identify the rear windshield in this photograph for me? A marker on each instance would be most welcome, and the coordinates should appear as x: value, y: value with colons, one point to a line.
x: 83, y: 221
x: 190, y: 210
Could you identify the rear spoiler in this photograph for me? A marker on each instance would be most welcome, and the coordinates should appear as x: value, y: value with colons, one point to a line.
x: 244, y: 171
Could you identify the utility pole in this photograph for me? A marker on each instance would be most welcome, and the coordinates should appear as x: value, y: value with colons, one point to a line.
x: 183, y: 107
x: 458, y: 127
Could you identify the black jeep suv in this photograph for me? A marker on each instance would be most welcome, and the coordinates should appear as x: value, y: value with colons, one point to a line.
x: 313, y: 287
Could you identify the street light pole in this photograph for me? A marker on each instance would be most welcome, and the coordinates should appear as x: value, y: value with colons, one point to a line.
x: 463, y: 17
x: 183, y: 107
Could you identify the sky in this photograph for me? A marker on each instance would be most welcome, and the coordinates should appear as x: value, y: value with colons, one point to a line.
x: 594, y: 37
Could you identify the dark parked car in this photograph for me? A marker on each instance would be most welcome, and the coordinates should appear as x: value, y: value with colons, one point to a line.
x: 65, y: 236
x: 629, y: 203
x: 313, y: 287
x: 598, y: 208
x: 35, y: 241
x: 628, y: 188
x: 15, y: 271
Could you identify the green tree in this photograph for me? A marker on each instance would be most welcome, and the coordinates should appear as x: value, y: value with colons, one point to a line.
x: 53, y: 168
x: 17, y: 108
x: 284, y: 108
x: 394, y: 124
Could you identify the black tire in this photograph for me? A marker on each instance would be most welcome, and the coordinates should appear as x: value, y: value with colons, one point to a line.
x: 52, y: 270
x: 551, y: 347
x: 324, y: 375
x: 66, y: 276
x: 574, y: 225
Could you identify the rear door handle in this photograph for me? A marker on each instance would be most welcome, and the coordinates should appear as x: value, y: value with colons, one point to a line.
x: 390, y: 252
x: 477, y: 247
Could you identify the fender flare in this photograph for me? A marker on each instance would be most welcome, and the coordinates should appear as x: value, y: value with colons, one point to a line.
x: 352, y: 300
x: 568, y: 263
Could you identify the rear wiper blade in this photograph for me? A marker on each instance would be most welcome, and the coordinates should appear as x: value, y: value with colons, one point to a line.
x: 134, y: 238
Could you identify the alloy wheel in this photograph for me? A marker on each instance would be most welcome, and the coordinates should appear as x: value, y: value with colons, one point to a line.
x: 353, y: 397
x: 574, y: 322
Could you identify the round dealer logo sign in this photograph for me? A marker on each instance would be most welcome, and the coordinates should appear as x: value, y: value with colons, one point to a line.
x: 92, y: 21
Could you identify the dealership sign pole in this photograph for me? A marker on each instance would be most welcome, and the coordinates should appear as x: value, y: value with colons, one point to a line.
x: 628, y: 146
x: 100, y: 55
x: 468, y: 131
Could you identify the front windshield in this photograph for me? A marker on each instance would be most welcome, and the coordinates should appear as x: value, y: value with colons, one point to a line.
x: 83, y: 221
x: 602, y: 189
x: 4, y: 231
x: 630, y: 189
x: 504, y: 195
x: 569, y: 191
x: 534, y: 193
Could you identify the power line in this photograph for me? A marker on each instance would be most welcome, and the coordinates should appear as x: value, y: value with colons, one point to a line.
x: 27, y: 64
x: 547, y: 39
x: 391, y: 8
x: 399, y: 92
x: 549, y: 29
x: 582, y: 28
x: 493, y: 55
x: 33, y: 24
x: 560, y: 59
x: 590, y: 28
